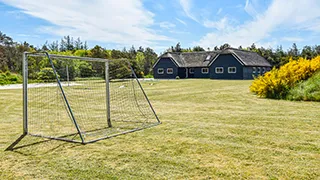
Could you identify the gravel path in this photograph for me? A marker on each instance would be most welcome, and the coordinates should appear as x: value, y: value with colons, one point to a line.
x: 37, y: 85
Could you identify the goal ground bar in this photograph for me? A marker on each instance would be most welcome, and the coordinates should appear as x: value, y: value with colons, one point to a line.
x: 95, y: 140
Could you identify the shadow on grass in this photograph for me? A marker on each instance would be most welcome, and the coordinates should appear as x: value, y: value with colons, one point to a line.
x: 11, y: 147
x: 31, y: 144
x: 36, y: 143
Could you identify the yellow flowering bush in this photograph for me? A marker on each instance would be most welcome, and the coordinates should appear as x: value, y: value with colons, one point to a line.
x: 277, y: 82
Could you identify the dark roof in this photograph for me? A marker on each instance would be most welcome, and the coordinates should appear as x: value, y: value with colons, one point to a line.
x: 204, y: 58
x: 191, y: 59
x: 249, y: 58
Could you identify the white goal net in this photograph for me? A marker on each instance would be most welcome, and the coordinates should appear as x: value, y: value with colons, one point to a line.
x: 81, y: 99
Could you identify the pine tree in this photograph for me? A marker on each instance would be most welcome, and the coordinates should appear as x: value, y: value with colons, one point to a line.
x: 45, y: 46
x: 132, y: 53
x: 178, y: 48
x: 78, y: 44
x: 198, y: 48
x: 85, y: 46
x: 150, y: 58
x: 225, y: 46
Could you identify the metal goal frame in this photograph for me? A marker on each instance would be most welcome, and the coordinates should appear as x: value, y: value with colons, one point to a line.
x: 65, y: 98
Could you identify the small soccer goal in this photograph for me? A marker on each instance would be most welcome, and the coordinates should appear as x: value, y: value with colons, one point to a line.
x: 82, y: 99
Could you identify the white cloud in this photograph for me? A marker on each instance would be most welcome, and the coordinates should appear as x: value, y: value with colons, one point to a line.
x: 111, y: 21
x: 295, y: 16
x: 269, y: 43
x: 17, y: 14
x: 179, y: 32
x: 250, y: 8
x: 158, y: 6
x: 292, y: 39
x: 167, y: 25
x: 182, y: 22
x: 221, y: 25
x: 186, y: 6
x: 219, y: 11
x: 28, y: 35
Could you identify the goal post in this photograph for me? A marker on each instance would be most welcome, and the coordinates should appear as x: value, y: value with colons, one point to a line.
x: 25, y: 93
x: 107, y: 93
x: 82, y: 99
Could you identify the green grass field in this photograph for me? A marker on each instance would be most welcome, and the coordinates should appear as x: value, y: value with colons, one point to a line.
x: 211, y: 129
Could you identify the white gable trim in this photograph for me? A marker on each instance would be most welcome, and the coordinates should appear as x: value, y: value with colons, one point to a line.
x: 233, y: 54
x: 213, y: 60
x: 174, y: 62
x: 238, y: 58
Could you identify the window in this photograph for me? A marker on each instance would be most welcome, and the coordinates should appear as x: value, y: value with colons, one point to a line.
x: 263, y: 70
x: 232, y: 70
x: 254, y: 70
x: 160, y: 71
x: 219, y: 70
x: 208, y: 57
x: 169, y: 71
x: 205, y: 70
x: 191, y: 70
x: 259, y: 70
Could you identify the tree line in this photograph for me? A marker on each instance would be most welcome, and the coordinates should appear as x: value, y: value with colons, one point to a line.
x: 141, y: 59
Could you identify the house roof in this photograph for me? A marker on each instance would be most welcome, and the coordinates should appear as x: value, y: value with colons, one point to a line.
x: 191, y: 59
x: 204, y: 58
x: 249, y: 58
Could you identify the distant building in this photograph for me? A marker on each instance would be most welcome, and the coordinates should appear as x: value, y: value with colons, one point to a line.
x: 226, y: 64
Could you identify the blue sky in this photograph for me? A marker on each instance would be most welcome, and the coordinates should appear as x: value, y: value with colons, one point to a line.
x: 161, y: 24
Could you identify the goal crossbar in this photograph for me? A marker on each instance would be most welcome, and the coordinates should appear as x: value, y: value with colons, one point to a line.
x: 45, y: 54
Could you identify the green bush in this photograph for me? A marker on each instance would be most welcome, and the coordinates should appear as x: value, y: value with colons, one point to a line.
x: 46, y: 75
x: 61, y: 69
x: 308, y: 90
x: 86, y: 70
x: 148, y: 76
x: 119, y: 69
x: 10, y: 78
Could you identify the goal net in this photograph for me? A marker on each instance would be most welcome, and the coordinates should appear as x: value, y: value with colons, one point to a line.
x: 82, y: 99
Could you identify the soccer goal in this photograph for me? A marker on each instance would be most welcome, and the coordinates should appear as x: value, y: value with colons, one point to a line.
x: 82, y: 99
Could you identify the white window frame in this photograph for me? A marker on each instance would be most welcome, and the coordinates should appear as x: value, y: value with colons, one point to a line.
x: 232, y: 72
x: 207, y: 70
x: 159, y: 70
x: 219, y: 68
x: 263, y: 70
x: 254, y: 70
x: 259, y: 70
x: 191, y: 72
x: 169, y: 69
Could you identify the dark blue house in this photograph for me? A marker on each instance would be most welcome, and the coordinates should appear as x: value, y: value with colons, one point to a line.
x: 226, y: 64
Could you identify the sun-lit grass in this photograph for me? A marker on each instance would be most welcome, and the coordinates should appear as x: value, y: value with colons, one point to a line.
x: 308, y: 90
x: 211, y: 129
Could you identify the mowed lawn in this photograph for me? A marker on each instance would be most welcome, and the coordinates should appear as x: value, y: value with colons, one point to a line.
x: 211, y: 129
